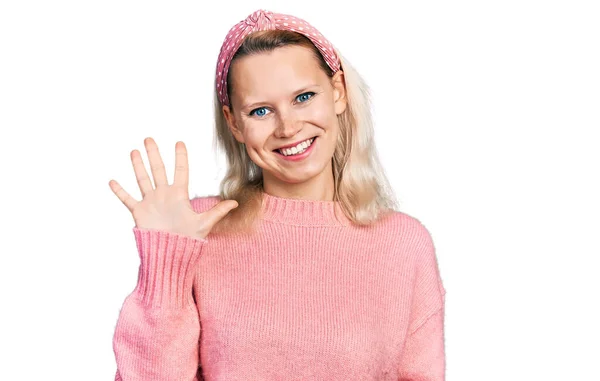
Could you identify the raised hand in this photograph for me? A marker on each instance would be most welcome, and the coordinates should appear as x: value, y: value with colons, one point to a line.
x: 167, y: 207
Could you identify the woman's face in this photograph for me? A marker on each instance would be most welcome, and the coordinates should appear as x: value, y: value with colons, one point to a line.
x: 281, y: 98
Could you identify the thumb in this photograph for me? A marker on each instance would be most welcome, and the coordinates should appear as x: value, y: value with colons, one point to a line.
x: 217, y: 212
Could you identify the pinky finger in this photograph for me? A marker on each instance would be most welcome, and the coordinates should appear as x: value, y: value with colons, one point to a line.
x: 125, y: 198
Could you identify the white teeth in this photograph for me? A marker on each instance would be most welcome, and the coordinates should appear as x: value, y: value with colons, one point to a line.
x: 297, y: 149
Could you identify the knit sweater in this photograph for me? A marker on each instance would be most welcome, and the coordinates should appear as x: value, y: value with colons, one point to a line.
x: 309, y: 296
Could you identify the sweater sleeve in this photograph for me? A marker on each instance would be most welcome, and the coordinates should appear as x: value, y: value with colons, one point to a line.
x: 423, y: 356
x: 157, y: 332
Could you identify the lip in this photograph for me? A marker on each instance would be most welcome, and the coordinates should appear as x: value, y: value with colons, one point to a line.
x: 302, y: 156
x: 293, y: 144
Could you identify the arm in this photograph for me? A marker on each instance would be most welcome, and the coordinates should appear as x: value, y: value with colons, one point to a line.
x: 423, y: 357
x: 157, y: 332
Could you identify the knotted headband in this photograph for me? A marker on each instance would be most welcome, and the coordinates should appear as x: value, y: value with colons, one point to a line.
x: 266, y: 20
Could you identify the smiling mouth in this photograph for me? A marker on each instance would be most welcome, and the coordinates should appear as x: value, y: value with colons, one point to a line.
x: 278, y: 150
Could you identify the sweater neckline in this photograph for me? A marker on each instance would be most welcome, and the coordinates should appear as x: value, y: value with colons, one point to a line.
x: 293, y: 211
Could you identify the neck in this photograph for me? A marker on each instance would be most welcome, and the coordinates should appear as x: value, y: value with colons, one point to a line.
x: 303, y: 212
x: 318, y: 188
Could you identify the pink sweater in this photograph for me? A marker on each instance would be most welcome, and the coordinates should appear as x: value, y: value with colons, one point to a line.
x: 309, y: 297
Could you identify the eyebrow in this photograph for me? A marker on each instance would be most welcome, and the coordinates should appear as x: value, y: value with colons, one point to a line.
x: 301, y: 90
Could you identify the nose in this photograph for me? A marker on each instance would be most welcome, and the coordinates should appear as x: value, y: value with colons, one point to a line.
x: 287, y: 127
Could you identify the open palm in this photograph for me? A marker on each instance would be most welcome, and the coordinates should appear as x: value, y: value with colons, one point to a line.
x: 167, y: 206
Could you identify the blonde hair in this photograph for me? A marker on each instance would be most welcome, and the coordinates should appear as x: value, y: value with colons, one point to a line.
x: 360, y: 184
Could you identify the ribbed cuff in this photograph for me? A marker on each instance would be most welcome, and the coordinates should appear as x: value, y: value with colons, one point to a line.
x: 167, y: 265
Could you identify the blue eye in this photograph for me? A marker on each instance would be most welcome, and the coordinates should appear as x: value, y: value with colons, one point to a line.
x: 303, y: 94
x: 262, y: 108
x: 258, y: 112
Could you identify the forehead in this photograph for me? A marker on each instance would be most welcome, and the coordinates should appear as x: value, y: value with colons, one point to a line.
x: 277, y: 72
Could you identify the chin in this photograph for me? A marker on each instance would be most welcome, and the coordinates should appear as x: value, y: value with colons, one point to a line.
x: 295, y: 179
x: 298, y: 176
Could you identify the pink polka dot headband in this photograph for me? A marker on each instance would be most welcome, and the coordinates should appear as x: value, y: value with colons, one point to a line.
x: 266, y: 20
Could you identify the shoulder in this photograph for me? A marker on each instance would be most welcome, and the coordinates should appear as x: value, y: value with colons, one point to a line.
x: 409, y: 240
x: 203, y: 203
x: 419, y: 241
x: 417, y: 245
x: 407, y: 229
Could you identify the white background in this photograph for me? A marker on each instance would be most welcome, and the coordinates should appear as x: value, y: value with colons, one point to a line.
x: 487, y: 114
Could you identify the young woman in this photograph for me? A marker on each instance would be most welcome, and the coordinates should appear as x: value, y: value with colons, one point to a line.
x: 301, y: 268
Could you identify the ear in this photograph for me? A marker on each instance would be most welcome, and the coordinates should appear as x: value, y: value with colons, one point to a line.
x: 339, y: 92
x: 231, y: 123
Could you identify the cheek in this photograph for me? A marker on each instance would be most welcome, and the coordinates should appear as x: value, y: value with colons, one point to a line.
x: 321, y: 113
x: 256, y: 136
